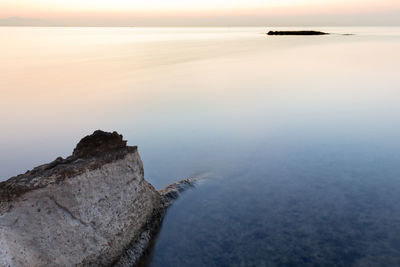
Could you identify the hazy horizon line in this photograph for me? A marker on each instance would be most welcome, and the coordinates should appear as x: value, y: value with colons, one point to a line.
x: 322, y: 20
x: 189, y: 26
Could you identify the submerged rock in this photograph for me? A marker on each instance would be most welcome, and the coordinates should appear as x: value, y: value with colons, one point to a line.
x: 85, y: 210
x: 296, y: 33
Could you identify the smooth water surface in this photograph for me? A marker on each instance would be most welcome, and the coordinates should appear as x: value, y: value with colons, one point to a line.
x: 299, y: 136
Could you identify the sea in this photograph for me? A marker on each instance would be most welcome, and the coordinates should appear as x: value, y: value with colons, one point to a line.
x: 297, y: 137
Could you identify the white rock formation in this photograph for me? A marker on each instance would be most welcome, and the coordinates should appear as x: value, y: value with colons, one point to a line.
x: 86, y: 210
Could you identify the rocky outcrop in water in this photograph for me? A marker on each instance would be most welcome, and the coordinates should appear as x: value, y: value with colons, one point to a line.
x: 138, y: 248
x: 296, y: 33
x: 86, y: 210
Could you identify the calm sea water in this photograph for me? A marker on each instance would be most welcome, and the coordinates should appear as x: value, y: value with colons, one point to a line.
x: 299, y: 136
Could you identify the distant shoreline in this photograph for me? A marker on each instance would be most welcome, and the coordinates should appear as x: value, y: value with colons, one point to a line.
x: 297, y: 33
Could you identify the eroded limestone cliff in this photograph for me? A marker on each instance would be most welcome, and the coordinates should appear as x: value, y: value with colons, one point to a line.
x: 85, y: 210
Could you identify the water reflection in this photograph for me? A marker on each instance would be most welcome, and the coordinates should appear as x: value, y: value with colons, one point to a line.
x: 300, y: 134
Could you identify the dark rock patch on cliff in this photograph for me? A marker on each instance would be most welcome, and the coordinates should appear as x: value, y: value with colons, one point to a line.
x: 98, y: 143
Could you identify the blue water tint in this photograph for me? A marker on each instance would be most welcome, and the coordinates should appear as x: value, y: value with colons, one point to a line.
x: 321, y: 205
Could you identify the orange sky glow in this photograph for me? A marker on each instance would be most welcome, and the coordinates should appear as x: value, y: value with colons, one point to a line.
x: 103, y: 11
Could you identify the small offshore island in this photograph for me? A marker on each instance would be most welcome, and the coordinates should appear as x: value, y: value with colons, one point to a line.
x: 297, y: 33
x: 93, y: 208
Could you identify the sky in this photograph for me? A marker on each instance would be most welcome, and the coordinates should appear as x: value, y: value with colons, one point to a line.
x: 199, y: 12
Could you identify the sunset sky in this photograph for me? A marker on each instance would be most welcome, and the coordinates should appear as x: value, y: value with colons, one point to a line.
x: 204, y: 12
